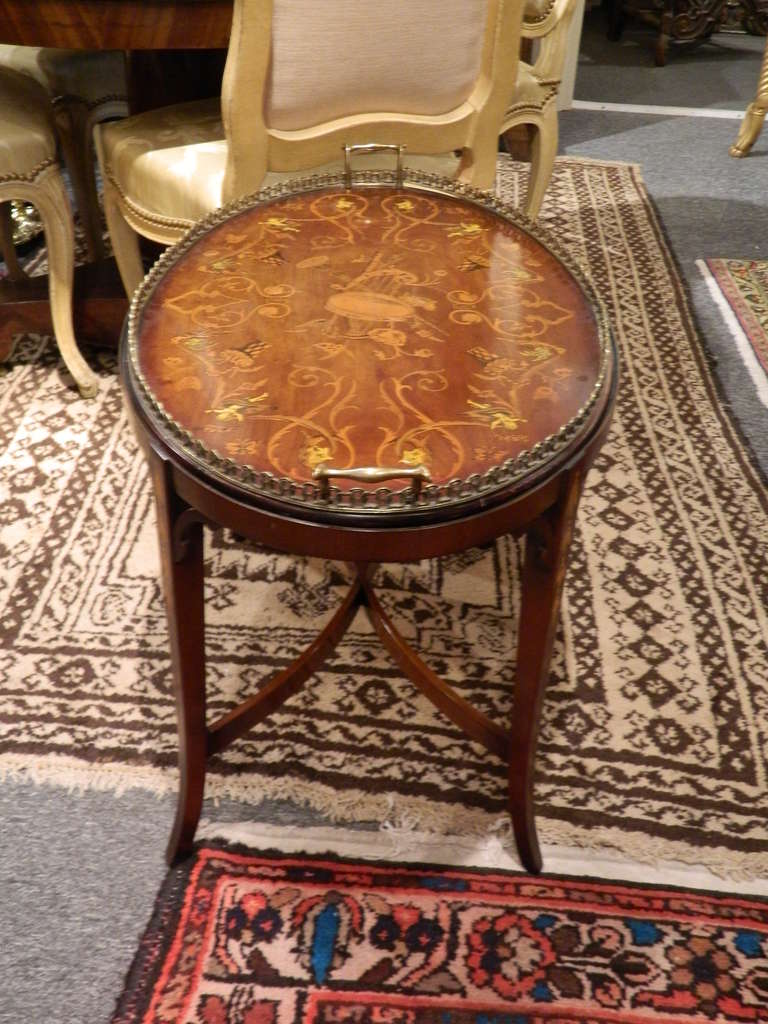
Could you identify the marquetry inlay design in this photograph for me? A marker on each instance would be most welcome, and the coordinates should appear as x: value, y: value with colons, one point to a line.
x: 376, y: 326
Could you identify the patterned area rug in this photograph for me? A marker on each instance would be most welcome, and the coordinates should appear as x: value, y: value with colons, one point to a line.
x: 655, y: 733
x: 740, y: 288
x: 256, y: 938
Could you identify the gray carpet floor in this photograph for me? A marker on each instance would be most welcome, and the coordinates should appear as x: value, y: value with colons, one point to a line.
x: 721, y: 73
x: 79, y: 871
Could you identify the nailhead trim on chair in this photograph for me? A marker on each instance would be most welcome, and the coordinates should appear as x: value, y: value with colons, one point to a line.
x: 540, y: 17
x: 536, y: 106
x: 113, y: 97
x: 31, y: 175
x: 167, y: 222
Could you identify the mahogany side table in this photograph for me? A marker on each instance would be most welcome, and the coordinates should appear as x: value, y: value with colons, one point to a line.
x: 383, y: 370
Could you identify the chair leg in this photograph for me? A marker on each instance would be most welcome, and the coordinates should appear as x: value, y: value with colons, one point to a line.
x: 478, y: 165
x: 755, y: 113
x: 125, y: 241
x: 7, y: 247
x: 50, y: 197
x: 73, y: 122
x: 543, y: 153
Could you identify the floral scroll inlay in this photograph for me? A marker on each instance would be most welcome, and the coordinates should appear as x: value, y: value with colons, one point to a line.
x: 369, y: 327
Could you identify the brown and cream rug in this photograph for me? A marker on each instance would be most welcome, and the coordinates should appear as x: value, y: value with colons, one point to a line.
x: 655, y: 737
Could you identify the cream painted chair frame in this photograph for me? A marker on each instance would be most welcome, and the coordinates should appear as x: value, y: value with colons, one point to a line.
x: 535, y: 98
x: 254, y: 148
x: 45, y: 190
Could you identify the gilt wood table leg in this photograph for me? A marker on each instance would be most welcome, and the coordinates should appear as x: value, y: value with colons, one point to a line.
x: 755, y: 113
x: 546, y: 560
x: 181, y: 558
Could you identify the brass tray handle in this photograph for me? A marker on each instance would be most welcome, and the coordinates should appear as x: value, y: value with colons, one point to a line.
x: 371, y: 475
x: 373, y: 147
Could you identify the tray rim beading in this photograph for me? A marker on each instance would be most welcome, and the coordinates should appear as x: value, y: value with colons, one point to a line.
x: 361, y: 499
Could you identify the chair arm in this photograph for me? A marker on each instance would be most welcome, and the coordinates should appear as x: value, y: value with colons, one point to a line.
x: 539, y: 19
x: 550, y: 60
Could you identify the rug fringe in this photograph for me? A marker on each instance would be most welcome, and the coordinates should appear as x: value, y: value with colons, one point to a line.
x: 404, y: 829
x: 458, y: 851
x: 400, y: 823
x: 75, y: 777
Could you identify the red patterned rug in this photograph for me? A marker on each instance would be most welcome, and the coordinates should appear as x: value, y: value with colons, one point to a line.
x: 240, y: 937
x: 741, y: 291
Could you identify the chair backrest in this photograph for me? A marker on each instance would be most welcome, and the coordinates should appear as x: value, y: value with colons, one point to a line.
x: 305, y: 77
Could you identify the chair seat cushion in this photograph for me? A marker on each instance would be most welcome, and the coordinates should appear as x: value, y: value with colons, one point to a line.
x: 91, y: 75
x: 27, y: 138
x: 169, y: 163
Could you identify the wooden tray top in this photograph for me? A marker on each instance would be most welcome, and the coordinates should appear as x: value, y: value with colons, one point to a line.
x: 376, y: 326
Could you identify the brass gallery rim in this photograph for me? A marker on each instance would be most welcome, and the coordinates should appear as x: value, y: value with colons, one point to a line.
x: 513, y: 352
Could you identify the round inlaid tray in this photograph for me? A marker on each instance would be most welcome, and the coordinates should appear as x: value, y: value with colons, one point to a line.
x: 422, y: 334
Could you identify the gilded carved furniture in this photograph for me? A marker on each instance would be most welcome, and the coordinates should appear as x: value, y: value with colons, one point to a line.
x: 754, y: 114
x: 29, y: 171
x: 299, y: 83
x: 534, y: 102
x: 370, y: 371
x: 683, y: 21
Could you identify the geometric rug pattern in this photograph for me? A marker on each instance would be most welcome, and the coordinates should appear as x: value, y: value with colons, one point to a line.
x: 242, y: 937
x: 655, y: 725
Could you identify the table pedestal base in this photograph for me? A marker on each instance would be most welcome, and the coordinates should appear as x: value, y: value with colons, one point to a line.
x: 548, y: 537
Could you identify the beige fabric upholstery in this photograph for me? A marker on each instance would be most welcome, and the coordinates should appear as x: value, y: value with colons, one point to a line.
x: 369, y: 57
x: 530, y: 93
x: 170, y: 162
x: 85, y: 87
x: 303, y: 79
x: 90, y: 75
x: 27, y: 140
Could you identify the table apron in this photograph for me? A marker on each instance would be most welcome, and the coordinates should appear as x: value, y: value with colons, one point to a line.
x: 116, y: 24
x: 366, y: 544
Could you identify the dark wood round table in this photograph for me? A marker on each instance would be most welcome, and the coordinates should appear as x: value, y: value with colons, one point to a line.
x: 380, y: 371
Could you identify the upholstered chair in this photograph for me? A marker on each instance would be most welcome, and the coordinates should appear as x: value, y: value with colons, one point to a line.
x: 30, y: 172
x: 534, y: 101
x: 301, y: 80
x: 85, y: 87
